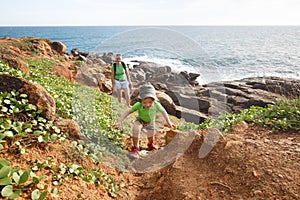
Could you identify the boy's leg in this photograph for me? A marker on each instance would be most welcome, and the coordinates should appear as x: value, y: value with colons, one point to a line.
x: 137, y: 127
x: 150, y: 135
x: 135, y: 139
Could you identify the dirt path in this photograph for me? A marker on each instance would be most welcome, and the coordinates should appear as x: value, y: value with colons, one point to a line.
x: 249, y: 163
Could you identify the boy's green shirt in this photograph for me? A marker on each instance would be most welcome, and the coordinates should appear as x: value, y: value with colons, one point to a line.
x: 147, y: 115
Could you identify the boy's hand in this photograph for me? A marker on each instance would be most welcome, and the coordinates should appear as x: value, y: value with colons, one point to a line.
x: 173, y: 126
x: 116, y: 125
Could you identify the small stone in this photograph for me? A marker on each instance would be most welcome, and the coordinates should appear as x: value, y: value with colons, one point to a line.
x: 280, y: 175
x: 255, y: 173
x: 257, y: 192
x: 266, y: 140
x: 230, y: 144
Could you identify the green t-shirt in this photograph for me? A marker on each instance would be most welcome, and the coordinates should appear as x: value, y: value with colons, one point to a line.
x: 120, y: 72
x: 147, y: 115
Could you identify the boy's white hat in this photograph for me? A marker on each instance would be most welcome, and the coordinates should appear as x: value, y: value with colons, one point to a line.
x: 147, y: 90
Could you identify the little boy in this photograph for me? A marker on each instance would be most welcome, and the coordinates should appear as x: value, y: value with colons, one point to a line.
x: 147, y: 108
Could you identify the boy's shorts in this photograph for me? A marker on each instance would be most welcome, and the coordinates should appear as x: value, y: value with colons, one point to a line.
x: 121, y: 84
x: 147, y: 126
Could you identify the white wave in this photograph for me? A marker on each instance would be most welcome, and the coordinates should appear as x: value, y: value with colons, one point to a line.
x: 175, y: 64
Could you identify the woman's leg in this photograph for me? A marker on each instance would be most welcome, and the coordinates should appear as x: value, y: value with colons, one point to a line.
x: 127, y: 96
x: 119, y: 93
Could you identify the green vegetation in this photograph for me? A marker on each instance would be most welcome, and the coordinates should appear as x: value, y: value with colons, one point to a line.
x: 92, y: 110
x: 282, y: 116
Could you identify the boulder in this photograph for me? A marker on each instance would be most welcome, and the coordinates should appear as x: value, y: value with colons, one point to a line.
x: 14, y: 60
x: 166, y: 102
x: 36, y: 94
x: 59, y: 47
x: 64, y: 72
x: 68, y: 126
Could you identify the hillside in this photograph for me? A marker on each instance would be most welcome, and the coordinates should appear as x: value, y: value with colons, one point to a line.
x: 250, y: 161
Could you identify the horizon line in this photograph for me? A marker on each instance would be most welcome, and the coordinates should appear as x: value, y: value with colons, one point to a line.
x: 62, y: 25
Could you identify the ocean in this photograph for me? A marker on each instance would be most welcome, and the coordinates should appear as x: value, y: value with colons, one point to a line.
x: 217, y: 53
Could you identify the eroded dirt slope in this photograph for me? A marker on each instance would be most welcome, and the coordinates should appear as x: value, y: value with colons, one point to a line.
x: 249, y: 163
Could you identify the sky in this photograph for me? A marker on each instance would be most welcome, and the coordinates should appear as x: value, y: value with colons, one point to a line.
x: 148, y: 12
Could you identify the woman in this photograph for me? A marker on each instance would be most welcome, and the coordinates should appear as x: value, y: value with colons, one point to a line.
x: 120, y: 79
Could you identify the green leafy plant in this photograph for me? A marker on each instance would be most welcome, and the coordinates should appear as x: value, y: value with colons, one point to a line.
x: 283, y: 115
x: 37, y: 195
x: 12, y: 180
x: 14, y: 107
x: 5, y: 69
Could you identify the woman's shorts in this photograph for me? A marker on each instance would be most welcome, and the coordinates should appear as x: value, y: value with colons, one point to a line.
x: 121, y: 84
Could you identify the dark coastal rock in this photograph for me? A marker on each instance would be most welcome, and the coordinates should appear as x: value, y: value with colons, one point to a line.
x: 232, y: 96
x: 78, y: 55
x: 167, y: 101
x: 59, y: 47
x: 36, y: 94
x: 108, y: 57
x: 195, y: 103
x: 190, y: 77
